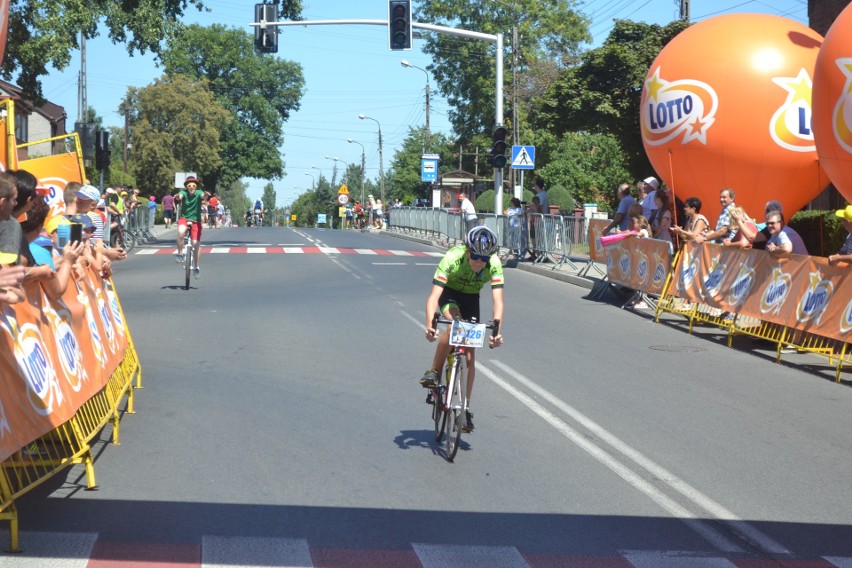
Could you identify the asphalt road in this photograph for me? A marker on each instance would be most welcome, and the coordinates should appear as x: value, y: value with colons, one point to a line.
x: 281, y: 401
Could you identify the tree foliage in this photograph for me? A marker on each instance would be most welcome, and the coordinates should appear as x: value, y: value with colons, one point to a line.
x: 602, y: 93
x: 177, y: 127
x: 589, y: 166
x: 44, y: 33
x: 403, y: 179
x: 464, y: 68
x: 260, y: 90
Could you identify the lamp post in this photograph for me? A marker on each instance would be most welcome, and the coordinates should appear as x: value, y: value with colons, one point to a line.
x: 351, y: 141
x: 381, y: 163
x: 333, y: 171
x: 313, y: 184
x: 345, y: 171
x: 405, y: 63
x: 320, y: 171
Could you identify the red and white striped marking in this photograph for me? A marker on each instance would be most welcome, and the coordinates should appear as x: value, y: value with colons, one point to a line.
x: 297, y: 250
x: 87, y: 550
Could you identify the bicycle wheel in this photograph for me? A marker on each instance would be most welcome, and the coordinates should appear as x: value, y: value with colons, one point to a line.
x: 190, y: 251
x: 438, y: 414
x: 455, y: 409
x: 129, y: 241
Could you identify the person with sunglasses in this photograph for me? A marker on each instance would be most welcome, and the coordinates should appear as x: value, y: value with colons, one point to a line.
x: 190, y: 210
x: 461, y: 274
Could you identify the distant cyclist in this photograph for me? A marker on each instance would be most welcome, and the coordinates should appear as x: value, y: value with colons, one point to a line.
x: 258, y: 212
x: 190, y: 210
x: 460, y: 276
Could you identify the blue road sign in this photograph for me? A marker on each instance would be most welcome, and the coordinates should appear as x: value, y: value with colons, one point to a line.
x: 523, y: 157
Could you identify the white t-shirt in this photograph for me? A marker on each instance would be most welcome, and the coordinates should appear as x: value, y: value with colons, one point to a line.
x: 468, y: 210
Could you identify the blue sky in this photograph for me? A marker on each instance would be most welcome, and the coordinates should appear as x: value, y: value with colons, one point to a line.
x: 348, y: 70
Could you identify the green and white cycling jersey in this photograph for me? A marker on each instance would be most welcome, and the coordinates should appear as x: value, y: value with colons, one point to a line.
x: 454, y: 272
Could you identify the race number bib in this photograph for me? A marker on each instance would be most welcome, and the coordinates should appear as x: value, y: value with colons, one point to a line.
x: 466, y: 334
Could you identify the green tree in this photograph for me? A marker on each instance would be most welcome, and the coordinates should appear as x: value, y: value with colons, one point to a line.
x: 233, y: 197
x: 602, y: 93
x: 177, y: 126
x: 403, y: 179
x: 260, y: 90
x: 269, y: 198
x: 589, y: 166
x: 45, y: 33
x: 464, y: 68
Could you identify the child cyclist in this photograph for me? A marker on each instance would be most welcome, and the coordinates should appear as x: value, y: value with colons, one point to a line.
x: 461, y: 274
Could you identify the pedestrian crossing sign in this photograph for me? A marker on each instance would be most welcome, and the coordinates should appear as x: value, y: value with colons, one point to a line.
x: 523, y: 157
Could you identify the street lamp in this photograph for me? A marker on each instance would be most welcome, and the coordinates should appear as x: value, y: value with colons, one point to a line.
x: 381, y: 163
x: 362, y: 166
x: 313, y: 184
x: 333, y: 170
x: 320, y: 171
x: 405, y: 63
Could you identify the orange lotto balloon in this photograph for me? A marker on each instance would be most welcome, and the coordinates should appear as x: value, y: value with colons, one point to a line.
x: 727, y: 104
x: 832, y: 120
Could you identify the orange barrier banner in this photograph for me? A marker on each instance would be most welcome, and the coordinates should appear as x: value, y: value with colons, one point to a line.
x: 596, y: 249
x: 639, y: 263
x: 54, y: 356
x: 800, y: 292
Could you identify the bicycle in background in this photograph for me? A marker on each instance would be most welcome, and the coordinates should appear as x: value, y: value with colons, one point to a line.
x: 449, y: 396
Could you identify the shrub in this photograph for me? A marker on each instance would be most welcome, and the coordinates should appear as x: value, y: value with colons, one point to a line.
x: 822, y: 231
x: 558, y: 195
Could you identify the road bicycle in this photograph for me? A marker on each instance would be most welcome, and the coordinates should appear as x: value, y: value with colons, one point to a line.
x: 449, y: 396
x: 121, y: 237
x: 188, y: 253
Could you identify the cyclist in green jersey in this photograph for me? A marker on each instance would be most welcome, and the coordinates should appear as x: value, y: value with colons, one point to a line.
x: 460, y: 276
x: 190, y: 210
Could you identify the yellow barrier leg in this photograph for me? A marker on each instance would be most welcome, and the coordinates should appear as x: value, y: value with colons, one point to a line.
x: 91, y: 484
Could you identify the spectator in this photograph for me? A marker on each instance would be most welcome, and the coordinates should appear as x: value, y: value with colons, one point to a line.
x: 662, y: 221
x: 168, y: 209
x: 53, y: 279
x: 740, y: 218
x: 639, y: 227
x: 469, y: 212
x: 28, y: 194
x: 759, y: 236
x: 647, y: 191
x: 534, y: 216
x: 152, y: 211
x: 778, y: 241
x: 621, y: 219
x: 723, y: 228
x: 541, y: 193
x: 515, y: 214
x: 11, y: 236
x: 696, y: 223
x: 845, y: 252
x: 378, y: 215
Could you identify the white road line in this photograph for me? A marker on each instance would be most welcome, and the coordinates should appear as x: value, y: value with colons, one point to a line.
x: 388, y: 263
x: 452, y: 556
x: 425, y: 264
x: 290, y: 244
x: 52, y: 550
x: 292, y: 250
x: 147, y: 251
x: 365, y: 251
x: 839, y: 561
x: 329, y: 250
x: 623, y: 471
x: 657, y: 471
x: 256, y: 250
x: 674, y: 559
x: 256, y: 552
x: 220, y: 250
x: 401, y: 253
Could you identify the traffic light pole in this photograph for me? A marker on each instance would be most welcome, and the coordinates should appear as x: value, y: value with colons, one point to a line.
x: 496, y: 39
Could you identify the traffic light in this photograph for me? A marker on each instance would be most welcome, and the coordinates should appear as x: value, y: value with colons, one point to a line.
x: 86, y: 132
x: 399, y: 24
x: 265, y: 38
x: 497, y: 155
x: 102, y: 149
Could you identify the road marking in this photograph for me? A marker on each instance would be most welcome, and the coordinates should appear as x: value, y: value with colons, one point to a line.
x: 53, y: 550
x: 451, y: 556
x: 673, y: 559
x: 388, y: 263
x: 721, y: 513
x: 231, y: 552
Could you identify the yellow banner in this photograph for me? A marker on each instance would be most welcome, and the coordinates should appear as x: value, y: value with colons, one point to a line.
x: 596, y: 251
x: 55, y: 172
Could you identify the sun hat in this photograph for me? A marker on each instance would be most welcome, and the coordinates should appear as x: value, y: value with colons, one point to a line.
x: 53, y: 223
x: 8, y: 258
x: 89, y: 192
x: 652, y: 181
x: 845, y: 213
x: 82, y: 219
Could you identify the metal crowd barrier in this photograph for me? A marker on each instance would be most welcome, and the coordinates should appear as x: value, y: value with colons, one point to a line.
x: 557, y: 239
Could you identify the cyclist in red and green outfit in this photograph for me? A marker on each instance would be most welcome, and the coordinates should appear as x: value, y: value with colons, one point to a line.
x: 460, y: 276
x: 190, y: 210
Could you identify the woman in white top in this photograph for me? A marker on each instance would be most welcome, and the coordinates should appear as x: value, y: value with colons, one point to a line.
x: 696, y: 223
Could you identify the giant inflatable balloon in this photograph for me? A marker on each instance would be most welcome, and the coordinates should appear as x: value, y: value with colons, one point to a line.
x: 832, y: 103
x: 727, y: 104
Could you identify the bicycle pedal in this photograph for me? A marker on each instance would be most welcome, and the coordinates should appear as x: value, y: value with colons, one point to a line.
x: 430, y: 398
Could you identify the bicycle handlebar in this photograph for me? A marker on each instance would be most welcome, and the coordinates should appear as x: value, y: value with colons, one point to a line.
x: 494, y: 325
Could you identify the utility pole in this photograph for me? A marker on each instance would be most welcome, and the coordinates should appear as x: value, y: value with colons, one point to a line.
x: 684, y: 10
x: 126, y: 134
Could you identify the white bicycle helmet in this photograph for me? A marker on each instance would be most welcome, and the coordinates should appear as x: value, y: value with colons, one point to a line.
x: 482, y: 241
